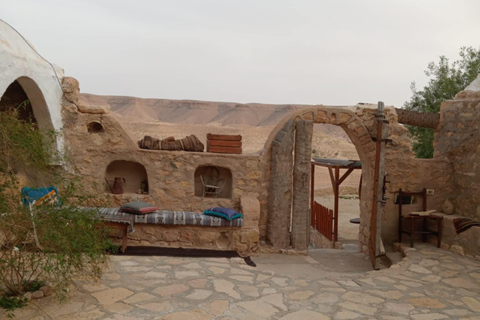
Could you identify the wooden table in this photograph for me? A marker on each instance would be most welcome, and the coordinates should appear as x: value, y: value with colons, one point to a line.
x: 425, y: 230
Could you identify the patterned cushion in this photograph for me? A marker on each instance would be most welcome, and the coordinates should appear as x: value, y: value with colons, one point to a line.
x: 167, y: 217
x: 225, y: 213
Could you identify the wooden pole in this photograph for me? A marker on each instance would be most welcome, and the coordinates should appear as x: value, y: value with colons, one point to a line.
x: 337, y: 185
x: 379, y: 173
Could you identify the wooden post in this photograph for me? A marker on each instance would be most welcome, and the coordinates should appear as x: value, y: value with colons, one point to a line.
x: 379, y: 173
x: 335, y: 209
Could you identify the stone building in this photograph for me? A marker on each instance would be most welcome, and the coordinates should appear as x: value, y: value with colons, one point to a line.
x: 271, y: 188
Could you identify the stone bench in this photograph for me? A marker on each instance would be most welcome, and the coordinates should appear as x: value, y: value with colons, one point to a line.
x: 465, y: 243
x: 182, y: 229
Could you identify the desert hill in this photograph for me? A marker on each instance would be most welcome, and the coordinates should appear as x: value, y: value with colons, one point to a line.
x: 192, y: 112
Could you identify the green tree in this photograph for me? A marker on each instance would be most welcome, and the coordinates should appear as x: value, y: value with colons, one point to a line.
x: 446, y: 80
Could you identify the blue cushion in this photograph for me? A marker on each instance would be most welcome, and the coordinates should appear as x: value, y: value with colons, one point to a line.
x: 225, y: 213
x: 30, y: 195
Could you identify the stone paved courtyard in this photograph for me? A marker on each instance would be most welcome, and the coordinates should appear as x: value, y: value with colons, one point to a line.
x: 429, y: 283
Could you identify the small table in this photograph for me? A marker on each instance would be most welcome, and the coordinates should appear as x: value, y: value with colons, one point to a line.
x: 425, y: 229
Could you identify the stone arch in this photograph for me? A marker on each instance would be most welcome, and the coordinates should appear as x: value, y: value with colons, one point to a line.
x: 356, y: 124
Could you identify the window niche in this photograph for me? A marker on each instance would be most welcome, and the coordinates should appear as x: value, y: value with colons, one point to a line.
x: 213, y: 182
x: 126, y: 177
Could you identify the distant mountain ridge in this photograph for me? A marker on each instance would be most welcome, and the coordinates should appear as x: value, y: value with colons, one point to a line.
x: 193, y: 112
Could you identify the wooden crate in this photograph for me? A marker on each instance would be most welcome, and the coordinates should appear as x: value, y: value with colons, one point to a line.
x: 224, y: 143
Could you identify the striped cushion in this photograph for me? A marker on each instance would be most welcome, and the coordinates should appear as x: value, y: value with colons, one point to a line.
x: 167, y: 217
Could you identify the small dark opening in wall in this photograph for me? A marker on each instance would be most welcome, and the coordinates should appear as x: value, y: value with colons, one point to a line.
x: 95, y: 127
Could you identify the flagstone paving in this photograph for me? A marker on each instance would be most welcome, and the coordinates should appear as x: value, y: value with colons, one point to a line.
x: 428, y: 284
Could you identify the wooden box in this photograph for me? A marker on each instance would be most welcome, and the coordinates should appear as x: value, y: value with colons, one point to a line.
x: 224, y: 143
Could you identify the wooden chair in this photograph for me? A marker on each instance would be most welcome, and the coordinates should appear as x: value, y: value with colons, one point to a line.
x: 411, y: 230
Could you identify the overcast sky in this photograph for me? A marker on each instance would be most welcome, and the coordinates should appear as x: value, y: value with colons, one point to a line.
x: 336, y: 52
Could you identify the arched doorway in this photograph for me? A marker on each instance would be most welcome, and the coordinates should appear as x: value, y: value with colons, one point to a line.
x: 25, y: 95
x: 290, y: 149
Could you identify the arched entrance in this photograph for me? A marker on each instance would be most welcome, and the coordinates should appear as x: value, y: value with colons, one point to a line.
x: 290, y: 149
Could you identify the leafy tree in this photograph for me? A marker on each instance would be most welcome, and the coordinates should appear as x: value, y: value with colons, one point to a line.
x: 446, y: 80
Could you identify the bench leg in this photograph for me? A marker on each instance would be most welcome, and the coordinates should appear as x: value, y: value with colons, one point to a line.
x: 124, y: 238
x: 412, y: 227
x: 439, y: 234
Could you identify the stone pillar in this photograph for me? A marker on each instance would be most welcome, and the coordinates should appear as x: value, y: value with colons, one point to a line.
x: 280, y: 189
x: 301, y: 184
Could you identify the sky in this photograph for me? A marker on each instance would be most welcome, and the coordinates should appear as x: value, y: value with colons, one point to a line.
x: 332, y: 52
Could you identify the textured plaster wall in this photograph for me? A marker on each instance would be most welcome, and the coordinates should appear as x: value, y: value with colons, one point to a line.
x: 18, y: 61
x: 458, y: 140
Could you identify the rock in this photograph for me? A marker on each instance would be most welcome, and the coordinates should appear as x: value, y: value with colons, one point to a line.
x: 472, y: 303
x: 112, y: 295
x: 47, y: 291
x: 139, y: 297
x: 197, y: 314
x: 361, y: 298
x: 448, y: 207
x: 427, y: 302
x: 225, y: 286
x: 86, y: 105
x: 171, y: 289
x: 305, y: 315
x: 28, y: 295
x: 260, y: 308
x: 199, y: 294
x: 157, y: 307
x: 400, y: 308
x: 218, y: 307
x: 457, y: 250
x: 37, y: 294
x: 301, y: 295
x: 71, y: 88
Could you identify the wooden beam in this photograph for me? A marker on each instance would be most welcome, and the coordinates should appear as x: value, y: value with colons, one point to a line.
x: 345, y: 175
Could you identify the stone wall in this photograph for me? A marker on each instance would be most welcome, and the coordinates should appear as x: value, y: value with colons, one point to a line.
x: 410, y: 174
x: 171, y: 174
x: 458, y: 139
x: 171, y: 178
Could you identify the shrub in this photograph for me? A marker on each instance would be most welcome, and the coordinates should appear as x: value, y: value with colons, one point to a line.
x: 72, y: 242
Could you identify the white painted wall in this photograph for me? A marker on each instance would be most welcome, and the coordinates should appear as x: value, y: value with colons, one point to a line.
x: 18, y: 61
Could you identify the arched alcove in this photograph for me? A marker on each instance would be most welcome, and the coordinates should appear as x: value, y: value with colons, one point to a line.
x: 213, y: 181
x: 131, y: 175
x: 95, y: 127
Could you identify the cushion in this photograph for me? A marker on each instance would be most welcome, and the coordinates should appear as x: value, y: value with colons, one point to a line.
x: 138, y: 207
x: 31, y: 195
x: 222, y: 212
x: 48, y: 199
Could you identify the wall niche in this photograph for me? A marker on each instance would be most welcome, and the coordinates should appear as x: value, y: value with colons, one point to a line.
x: 130, y: 176
x: 95, y: 127
x: 213, y: 182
